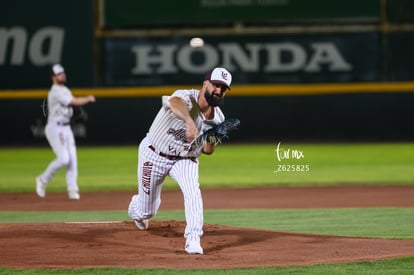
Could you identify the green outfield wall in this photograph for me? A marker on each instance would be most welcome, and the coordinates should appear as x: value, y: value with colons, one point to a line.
x: 348, y: 117
x: 326, y: 43
x: 219, y: 12
x: 312, y: 70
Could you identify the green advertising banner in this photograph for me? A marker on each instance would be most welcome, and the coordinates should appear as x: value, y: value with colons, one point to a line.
x: 266, y: 59
x: 132, y: 13
x: 36, y: 34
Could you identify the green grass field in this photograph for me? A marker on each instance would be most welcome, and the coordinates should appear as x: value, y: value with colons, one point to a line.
x: 114, y: 168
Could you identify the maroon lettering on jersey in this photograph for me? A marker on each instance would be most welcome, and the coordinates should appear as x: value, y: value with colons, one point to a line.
x: 173, y: 151
x: 146, y: 177
x: 178, y: 134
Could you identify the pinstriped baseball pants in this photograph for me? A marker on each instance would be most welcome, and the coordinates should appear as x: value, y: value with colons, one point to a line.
x: 152, y: 170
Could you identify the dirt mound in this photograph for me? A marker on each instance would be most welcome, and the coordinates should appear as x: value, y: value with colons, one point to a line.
x: 120, y: 244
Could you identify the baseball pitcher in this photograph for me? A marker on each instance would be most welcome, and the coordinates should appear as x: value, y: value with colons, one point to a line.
x: 182, y: 130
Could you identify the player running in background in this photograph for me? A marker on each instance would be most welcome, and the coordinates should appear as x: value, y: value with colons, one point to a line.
x: 59, y: 133
x: 172, y: 147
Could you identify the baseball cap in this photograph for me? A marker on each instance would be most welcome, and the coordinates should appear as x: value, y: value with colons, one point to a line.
x: 219, y: 76
x: 57, y: 69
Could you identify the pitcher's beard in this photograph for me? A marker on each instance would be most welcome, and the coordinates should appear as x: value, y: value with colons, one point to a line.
x: 212, y: 100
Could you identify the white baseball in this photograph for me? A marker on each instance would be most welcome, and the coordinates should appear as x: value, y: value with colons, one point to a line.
x: 196, y: 42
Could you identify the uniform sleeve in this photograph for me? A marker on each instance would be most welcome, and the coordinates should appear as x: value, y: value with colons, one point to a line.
x: 218, y: 118
x: 186, y: 96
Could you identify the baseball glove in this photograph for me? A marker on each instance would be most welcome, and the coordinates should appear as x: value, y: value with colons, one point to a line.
x: 219, y: 132
x: 79, y: 114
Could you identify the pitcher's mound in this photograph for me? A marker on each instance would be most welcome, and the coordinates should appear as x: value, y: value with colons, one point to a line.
x: 120, y: 244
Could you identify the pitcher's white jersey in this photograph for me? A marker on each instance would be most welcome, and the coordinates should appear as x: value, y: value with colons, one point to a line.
x: 58, y: 101
x: 168, y: 133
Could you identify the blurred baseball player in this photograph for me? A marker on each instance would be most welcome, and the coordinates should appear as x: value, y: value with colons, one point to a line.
x: 172, y: 147
x: 59, y: 133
